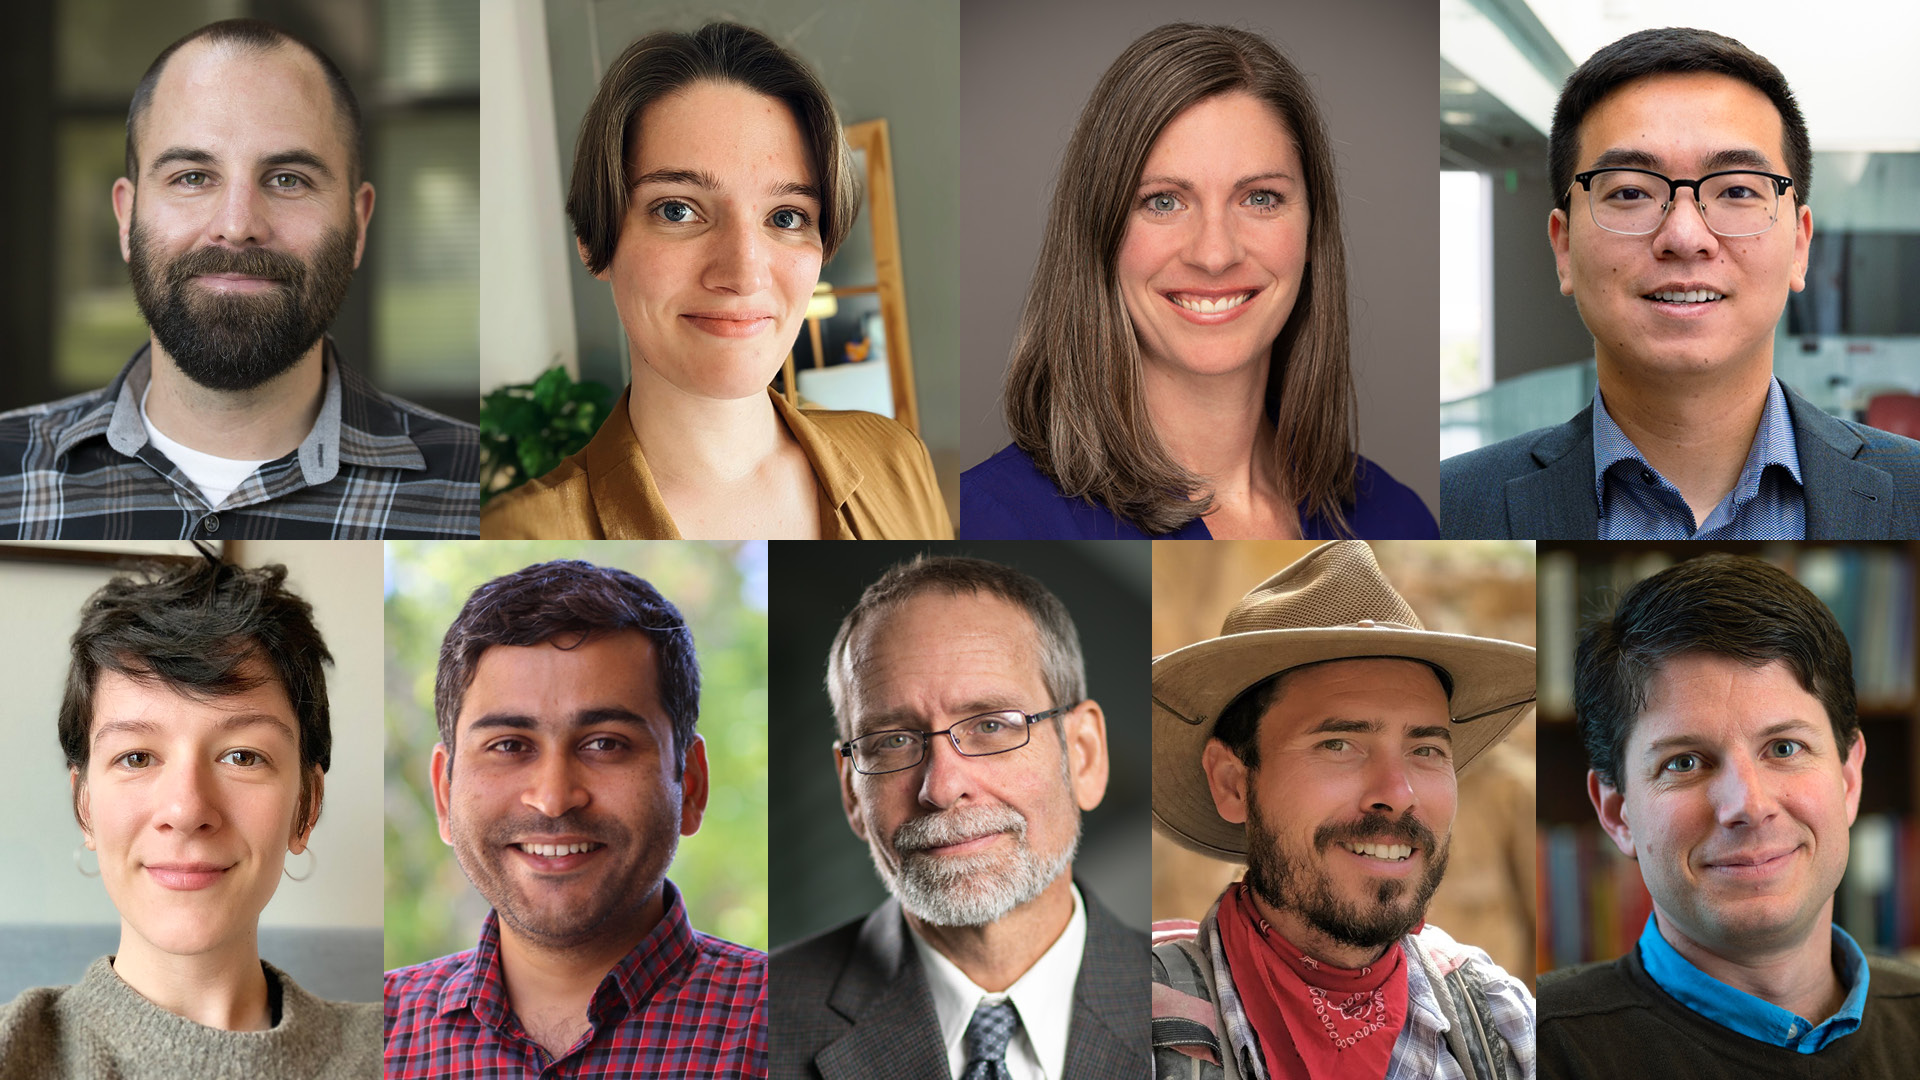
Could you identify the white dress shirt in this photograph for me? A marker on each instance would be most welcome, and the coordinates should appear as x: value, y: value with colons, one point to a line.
x: 1043, y: 996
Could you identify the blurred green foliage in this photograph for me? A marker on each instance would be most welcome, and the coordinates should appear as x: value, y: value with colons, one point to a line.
x: 431, y: 910
x: 528, y: 429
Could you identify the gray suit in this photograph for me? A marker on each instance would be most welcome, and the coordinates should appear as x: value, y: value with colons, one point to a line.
x: 1861, y: 483
x: 853, y: 1003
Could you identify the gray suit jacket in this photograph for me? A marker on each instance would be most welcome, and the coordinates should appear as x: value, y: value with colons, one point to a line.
x: 853, y: 1003
x: 1861, y: 483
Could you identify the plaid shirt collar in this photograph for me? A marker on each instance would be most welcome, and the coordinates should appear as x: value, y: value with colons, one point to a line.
x: 661, y: 959
x: 356, y: 425
x: 1650, y: 507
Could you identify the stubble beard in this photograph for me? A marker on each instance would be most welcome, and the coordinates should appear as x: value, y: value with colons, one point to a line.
x: 236, y: 342
x: 1299, y: 883
x: 624, y: 889
x: 967, y: 890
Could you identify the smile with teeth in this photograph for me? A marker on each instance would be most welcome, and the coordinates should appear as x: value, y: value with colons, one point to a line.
x: 554, y: 851
x: 1210, y: 305
x: 1389, y: 852
x: 1693, y: 296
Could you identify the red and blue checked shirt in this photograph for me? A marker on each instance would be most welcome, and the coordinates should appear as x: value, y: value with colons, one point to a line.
x: 681, y: 1004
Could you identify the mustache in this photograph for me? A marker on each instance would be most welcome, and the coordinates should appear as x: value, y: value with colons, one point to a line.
x: 571, y: 823
x: 956, y: 826
x: 250, y: 262
x: 1378, y: 829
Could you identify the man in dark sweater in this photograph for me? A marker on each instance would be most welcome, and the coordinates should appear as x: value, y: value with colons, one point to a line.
x: 1717, y: 708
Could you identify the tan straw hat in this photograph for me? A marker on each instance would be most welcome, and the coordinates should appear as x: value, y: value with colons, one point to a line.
x: 1332, y: 604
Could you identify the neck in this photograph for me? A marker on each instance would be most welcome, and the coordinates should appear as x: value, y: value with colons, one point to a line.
x: 1797, y: 975
x: 1216, y: 427
x: 1696, y: 429
x: 994, y: 956
x: 223, y: 988
x: 544, y: 978
x: 690, y: 440
x: 266, y: 422
x: 1312, y: 941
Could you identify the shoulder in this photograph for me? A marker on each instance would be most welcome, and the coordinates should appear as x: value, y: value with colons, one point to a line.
x: 408, y: 988
x: 898, y: 485
x: 1895, y: 453
x: 867, y: 432
x: 819, y: 954
x: 31, y: 1031
x: 1471, y: 499
x: 723, y: 961
x: 1587, y: 990
x: 1892, y: 978
x: 50, y: 414
x: 1503, y: 460
x: 556, y: 506
x: 1007, y: 497
x: 28, y: 435
x: 1385, y: 508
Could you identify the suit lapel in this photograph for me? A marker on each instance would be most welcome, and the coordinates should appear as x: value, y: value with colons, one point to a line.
x: 1846, y: 499
x: 1556, y: 502
x: 1111, y: 1004
x: 883, y: 992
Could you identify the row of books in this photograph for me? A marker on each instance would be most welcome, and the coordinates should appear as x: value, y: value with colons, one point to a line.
x: 1593, y: 902
x: 1870, y: 590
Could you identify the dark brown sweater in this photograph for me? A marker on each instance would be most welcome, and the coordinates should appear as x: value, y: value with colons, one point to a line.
x: 1612, y: 1020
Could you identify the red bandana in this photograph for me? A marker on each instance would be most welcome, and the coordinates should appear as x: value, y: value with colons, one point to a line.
x: 1315, y: 1021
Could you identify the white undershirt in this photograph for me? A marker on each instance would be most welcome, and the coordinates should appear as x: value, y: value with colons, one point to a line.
x: 1043, y: 996
x: 216, y: 477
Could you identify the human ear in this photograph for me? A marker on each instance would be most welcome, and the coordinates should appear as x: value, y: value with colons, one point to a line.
x: 693, y: 787
x: 303, y: 830
x: 1559, y: 237
x: 1611, y: 806
x: 1086, y: 750
x: 441, y: 763
x: 1226, y: 781
x: 849, y: 799
x: 123, y: 192
x: 82, y: 805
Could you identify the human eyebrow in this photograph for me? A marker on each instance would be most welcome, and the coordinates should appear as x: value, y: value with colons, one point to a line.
x: 1623, y: 158
x: 1742, y: 158
x: 1166, y: 181
x: 911, y: 720
x: 189, y: 154
x: 605, y: 714
x: 795, y: 188
x: 1435, y: 731
x: 1260, y: 177
x: 247, y: 720
x: 115, y: 727
x: 304, y: 158
x: 699, y: 178
x: 1339, y: 726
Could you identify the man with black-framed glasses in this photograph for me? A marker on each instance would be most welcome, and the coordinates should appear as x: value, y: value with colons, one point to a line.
x: 967, y: 750
x: 1684, y: 170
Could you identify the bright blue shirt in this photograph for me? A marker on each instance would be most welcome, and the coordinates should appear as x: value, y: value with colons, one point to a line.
x: 1760, y: 1020
x: 1637, y: 503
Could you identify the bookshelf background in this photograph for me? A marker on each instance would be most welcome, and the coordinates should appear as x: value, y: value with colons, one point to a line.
x: 1592, y: 902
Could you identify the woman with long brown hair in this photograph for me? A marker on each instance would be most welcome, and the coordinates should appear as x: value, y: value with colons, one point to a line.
x: 1181, y: 364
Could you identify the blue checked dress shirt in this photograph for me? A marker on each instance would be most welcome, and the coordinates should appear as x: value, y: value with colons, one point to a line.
x: 1750, y: 1016
x: 1637, y: 503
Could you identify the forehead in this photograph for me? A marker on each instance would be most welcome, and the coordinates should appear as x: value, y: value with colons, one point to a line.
x: 1233, y: 134
x: 939, y: 653
x: 1396, y: 693
x: 551, y: 683
x: 1713, y: 698
x: 1682, y: 118
x: 741, y: 136
x: 128, y: 707
x: 240, y: 102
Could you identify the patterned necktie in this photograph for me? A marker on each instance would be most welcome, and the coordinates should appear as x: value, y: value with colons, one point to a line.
x: 986, y: 1041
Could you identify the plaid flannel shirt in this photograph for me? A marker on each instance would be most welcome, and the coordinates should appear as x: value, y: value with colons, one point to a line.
x: 1187, y: 1011
x: 372, y: 467
x: 681, y: 1004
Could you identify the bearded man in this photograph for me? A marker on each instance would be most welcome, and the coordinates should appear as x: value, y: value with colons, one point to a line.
x: 967, y: 751
x: 243, y: 215
x: 1317, y: 739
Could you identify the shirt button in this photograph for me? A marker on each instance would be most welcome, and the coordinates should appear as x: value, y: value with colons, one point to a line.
x: 1646, y: 476
x: 211, y: 524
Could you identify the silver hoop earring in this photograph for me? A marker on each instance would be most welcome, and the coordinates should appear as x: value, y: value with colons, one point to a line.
x: 82, y: 867
x: 312, y: 864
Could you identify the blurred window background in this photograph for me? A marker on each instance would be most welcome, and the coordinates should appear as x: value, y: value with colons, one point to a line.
x: 68, y: 321
x: 1850, y: 343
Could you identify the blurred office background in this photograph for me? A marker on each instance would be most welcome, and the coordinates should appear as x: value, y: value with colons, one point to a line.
x: 881, y: 61
x: 1479, y: 587
x: 1514, y: 354
x: 324, y: 931
x: 67, y: 317
x: 822, y: 873
x: 721, y: 589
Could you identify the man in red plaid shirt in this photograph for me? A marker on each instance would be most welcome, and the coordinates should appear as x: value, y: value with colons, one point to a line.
x: 567, y: 770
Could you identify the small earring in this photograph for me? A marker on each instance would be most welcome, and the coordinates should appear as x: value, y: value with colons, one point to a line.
x: 82, y: 867
x: 312, y: 864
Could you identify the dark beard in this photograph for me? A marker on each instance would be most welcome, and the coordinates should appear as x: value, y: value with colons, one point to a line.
x: 234, y: 342
x: 1294, y: 884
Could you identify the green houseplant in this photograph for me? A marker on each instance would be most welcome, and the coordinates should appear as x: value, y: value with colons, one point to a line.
x: 527, y: 429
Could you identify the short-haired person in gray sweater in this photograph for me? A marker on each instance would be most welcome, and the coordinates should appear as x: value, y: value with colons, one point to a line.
x: 1717, y: 708
x: 195, y: 729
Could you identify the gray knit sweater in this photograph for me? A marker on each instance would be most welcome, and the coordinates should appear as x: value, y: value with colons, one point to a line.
x: 102, y: 1029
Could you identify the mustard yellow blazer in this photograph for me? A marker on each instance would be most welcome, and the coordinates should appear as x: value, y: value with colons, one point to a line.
x: 872, y: 472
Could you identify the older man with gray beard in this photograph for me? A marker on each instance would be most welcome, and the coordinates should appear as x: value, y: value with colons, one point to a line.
x: 967, y: 751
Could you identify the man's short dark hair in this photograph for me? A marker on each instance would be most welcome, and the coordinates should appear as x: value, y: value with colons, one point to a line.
x: 1725, y: 605
x: 566, y: 603
x: 204, y: 628
x: 1672, y: 51
x: 1239, y: 723
x: 252, y: 35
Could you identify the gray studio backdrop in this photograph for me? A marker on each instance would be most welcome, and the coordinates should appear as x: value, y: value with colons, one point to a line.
x: 819, y: 874
x: 1027, y: 68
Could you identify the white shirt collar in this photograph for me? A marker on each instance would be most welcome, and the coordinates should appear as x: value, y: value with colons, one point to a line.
x: 1043, y: 996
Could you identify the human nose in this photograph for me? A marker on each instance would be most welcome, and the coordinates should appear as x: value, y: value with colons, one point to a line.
x: 1388, y: 789
x: 187, y: 801
x: 1741, y: 796
x: 1215, y: 244
x: 739, y: 263
x: 239, y: 217
x: 946, y: 775
x: 1683, y: 231
x: 554, y: 787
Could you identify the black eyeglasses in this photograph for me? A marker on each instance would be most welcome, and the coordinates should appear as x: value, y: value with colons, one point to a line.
x: 1739, y: 202
x: 895, y: 749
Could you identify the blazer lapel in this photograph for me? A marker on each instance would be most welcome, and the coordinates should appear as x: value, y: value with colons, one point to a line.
x: 1556, y: 502
x: 1846, y: 499
x: 1112, y: 1004
x: 883, y: 992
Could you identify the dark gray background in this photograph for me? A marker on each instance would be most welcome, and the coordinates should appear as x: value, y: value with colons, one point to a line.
x: 1026, y: 69
x: 818, y: 873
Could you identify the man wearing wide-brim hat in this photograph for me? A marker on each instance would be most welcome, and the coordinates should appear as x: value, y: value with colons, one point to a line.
x: 1317, y: 739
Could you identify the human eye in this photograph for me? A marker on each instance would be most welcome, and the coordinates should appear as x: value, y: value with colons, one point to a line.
x: 605, y: 744
x: 789, y: 219
x: 509, y: 745
x: 1163, y: 203
x: 1336, y: 745
x: 134, y: 759
x: 1681, y: 764
x: 882, y: 741
x: 286, y: 182
x: 193, y: 179
x: 1785, y: 748
x: 1265, y: 199
x: 246, y: 759
x: 674, y: 211
x: 990, y: 725
x: 1434, y: 751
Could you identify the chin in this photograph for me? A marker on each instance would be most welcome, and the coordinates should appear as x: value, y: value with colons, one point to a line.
x: 182, y: 933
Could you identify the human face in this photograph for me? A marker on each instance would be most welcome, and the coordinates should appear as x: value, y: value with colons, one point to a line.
x: 244, y: 228
x: 1735, y: 799
x: 1682, y: 126
x: 191, y: 804
x: 562, y: 804
x: 964, y: 841
x: 721, y: 246
x: 1216, y: 242
x: 1350, y: 812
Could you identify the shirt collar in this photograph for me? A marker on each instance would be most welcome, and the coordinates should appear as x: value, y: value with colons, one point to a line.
x: 660, y: 960
x: 1773, y: 444
x: 1754, y: 1017
x: 1043, y: 996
